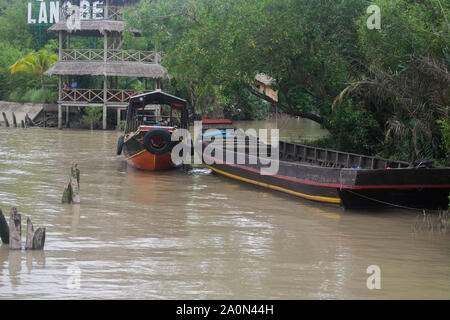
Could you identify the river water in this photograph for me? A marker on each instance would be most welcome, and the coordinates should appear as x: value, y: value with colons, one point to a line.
x: 196, y: 235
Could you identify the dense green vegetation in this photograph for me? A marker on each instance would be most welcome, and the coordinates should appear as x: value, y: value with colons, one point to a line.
x: 36, y: 64
x: 16, y: 42
x: 378, y: 91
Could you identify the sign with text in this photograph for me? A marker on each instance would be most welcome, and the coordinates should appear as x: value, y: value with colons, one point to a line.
x: 49, y: 12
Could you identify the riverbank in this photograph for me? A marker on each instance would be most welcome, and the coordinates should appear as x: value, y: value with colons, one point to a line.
x: 46, y: 115
x: 20, y: 110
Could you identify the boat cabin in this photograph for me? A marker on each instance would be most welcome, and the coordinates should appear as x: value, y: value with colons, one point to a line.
x: 155, y: 110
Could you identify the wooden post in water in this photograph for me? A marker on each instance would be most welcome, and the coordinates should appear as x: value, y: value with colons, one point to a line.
x: 35, y: 239
x: 39, y: 239
x: 67, y: 116
x: 14, y: 120
x: 6, y: 119
x: 30, y: 233
x: 4, y: 228
x: 29, y: 122
x: 72, y: 192
x: 59, y: 117
x: 15, y: 230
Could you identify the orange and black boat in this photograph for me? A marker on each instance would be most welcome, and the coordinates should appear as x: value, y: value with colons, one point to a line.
x: 346, y: 179
x: 151, y: 120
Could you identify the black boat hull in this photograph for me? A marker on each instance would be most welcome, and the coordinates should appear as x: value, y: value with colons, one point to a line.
x: 425, y: 188
x: 436, y: 198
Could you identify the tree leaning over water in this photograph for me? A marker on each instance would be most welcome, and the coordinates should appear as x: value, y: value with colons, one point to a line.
x: 389, y: 87
x: 212, y: 46
x: 36, y: 64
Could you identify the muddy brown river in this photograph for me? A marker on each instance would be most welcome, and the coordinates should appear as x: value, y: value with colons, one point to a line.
x: 197, y: 235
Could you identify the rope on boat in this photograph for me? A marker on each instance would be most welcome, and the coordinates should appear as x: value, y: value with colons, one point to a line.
x: 383, y: 202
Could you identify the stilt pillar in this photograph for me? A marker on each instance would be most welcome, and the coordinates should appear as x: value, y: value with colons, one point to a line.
x: 118, y: 118
x: 59, y: 117
x: 105, y: 112
x: 67, y: 116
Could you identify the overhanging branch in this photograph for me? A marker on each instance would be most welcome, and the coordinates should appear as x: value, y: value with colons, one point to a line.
x: 293, y: 112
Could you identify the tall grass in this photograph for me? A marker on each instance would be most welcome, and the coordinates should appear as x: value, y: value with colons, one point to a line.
x: 30, y: 95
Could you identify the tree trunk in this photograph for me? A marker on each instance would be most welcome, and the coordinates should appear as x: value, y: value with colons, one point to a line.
x: 301, y: 114
x: 414, y: 136
x: 44, y: 93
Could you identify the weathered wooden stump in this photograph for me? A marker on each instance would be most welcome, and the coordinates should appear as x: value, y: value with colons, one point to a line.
x: 14, y: 120
x: 4, y: 228
x: 15, y: 230
x: 6, y: 119
x: 35, y: 239
x: 39, y: 239
x: 12, y: 234
x: 30, y: 234
x: 72, y: 192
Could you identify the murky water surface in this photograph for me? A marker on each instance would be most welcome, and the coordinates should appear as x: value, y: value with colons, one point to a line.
x: 172, y: 235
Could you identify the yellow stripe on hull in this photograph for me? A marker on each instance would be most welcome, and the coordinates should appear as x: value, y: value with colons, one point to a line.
x: 262, y: 184
x: 136, y: 154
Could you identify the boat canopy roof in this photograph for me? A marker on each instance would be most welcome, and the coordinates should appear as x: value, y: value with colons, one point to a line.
x: 157, y: 97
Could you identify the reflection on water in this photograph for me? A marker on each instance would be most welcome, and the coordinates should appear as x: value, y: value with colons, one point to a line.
x: 177, y: 235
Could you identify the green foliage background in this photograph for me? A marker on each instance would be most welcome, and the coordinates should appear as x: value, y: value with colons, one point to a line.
x: 381, y: 92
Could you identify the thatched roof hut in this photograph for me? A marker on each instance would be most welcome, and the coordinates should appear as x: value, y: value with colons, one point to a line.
x: 93, y: 28
x: 264, y: 83
x: 264, y: 79
x: 100, y: 68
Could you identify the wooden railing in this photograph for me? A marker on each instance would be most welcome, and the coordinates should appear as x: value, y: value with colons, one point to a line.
x: 82, y: 55
x: 331, y: 158
x: 132, y: 56
x: 114, y: 13
x: 97, y: 95
x: 111, y: 55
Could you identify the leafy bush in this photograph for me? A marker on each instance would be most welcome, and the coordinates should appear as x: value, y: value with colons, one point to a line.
x: 445, y: 128
x: 91, y: 116
x: 353, y: 130
x: 33, y: 95
x: 16, y: 95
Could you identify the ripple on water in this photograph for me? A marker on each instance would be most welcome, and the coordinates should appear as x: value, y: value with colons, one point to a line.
x: 174, y: 235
